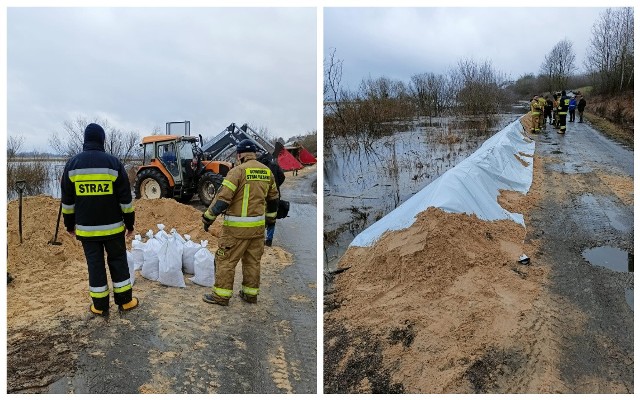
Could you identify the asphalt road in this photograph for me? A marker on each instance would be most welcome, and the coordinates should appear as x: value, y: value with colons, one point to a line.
x: 588, y: 313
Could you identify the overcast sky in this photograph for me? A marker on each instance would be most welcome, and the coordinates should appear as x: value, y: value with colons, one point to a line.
x: 142, y: 67
x: 400, y: 42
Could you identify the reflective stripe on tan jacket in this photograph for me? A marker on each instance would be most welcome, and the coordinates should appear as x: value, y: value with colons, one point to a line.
x: 246, y: 189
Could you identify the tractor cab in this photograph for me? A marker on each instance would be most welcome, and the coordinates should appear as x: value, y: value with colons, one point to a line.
x: 179, y: 156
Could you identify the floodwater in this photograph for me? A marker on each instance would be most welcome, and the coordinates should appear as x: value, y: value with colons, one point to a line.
x: 51, y: 187
x: 365, y: 180
x: 610, y: 257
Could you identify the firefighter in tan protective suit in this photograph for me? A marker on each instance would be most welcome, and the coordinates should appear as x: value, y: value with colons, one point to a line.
x: 541, y: 121
x: 248, y: 198
x: 535, y: 115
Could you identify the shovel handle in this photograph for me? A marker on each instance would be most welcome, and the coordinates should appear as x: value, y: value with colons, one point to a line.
x: 55, y: 236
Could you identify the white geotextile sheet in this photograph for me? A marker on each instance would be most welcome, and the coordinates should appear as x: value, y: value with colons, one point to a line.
x: 471, y: 187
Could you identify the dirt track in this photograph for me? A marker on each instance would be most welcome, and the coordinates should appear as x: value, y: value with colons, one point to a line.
x: 174, y: 343
x: 441, y: 309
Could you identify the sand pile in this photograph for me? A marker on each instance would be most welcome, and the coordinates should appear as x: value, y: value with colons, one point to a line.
x: 430, y: 301
x: 53, y: 280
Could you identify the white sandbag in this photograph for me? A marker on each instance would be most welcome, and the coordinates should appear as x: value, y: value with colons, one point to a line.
x: 132, y: 270
x: 161, y: 235
x: 204, y: 267
x: 189, y: 250
x: 170, y: 263
x: 177, y: 236
x: 150, y: 265
x: 137, y: 251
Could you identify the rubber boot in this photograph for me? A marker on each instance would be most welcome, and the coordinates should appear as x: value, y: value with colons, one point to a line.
x: 212, y: 298
x: 130, y: 305
x: 248, y: 298
x: 99, y: 313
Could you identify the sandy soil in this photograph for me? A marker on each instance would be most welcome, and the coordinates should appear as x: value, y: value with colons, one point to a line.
x: 435, y: 298
x: 48, y: 300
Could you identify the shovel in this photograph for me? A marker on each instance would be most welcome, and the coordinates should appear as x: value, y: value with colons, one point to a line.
x: 53, y: 241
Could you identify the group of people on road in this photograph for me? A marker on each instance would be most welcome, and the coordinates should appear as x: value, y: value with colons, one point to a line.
x: 97, y: 209
x: 555, y: 109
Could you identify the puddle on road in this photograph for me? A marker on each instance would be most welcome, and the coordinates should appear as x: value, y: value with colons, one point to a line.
x: 628, y: 295
x: 557, y: 152
x: 610, y: 257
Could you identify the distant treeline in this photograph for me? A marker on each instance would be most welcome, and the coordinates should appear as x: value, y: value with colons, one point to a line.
x: 477, y: 88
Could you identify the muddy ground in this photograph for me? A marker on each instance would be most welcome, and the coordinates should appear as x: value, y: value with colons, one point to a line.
x: 445, y: 308
x: 174, y: 342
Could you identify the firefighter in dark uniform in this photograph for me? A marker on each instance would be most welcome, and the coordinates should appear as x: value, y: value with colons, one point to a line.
x: 248, y: 198
x: 97, y: 208
x: 563, y: 108
x: 548, y: 110
x: 278, y: 174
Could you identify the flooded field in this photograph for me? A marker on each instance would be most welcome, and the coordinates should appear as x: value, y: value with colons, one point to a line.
x: 364, y: 181
x: 41, y: 176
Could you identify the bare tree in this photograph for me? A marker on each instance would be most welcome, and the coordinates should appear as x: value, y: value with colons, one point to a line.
x: 431, y: 93
x: 123, y: 145
x: 332, y: 84
x: 14, y: 145
x: 382, y: 100
x: 610, y: 53
x: 558, y: 65
x: 478, y: 87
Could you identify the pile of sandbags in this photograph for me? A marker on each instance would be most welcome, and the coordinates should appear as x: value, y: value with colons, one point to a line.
x: 164, y: 257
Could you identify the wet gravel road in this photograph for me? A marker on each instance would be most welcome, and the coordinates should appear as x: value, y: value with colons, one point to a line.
x: 588, y: 312
x: 176, y: 343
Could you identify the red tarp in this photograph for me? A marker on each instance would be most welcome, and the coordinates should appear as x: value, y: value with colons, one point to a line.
x: 305, y: 157
x: 287, y: 161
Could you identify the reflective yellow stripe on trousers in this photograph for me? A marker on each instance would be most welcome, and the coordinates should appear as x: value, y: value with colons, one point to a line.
x: 99, y: 292
x: 222, y: 292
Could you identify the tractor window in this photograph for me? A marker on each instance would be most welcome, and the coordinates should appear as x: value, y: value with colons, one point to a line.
x: 148, y: 153
x: 167, y: 153
x: 186, y: 151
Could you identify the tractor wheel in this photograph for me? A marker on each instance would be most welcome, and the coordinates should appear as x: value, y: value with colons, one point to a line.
x: 208, y: 186
x: 151, y: 184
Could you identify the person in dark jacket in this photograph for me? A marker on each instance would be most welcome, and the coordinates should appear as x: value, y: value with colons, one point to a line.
x: 97, y: 208
x: 548, y: 108
x: 278, y: 174
x: 581, y: 105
